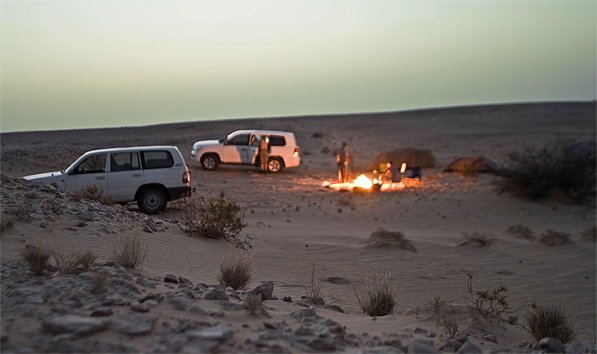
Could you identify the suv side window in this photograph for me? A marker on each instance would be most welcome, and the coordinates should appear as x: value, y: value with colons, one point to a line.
x: 92, y: 164
x: 277, y: 140
x: 124, y: 161
x: 156, y: 159
x: 241, y: 139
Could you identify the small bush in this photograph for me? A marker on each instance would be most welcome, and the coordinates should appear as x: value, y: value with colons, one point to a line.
x: 235, y: 271
x: 450, y: 325
x: 521, y: 231
x: 252, y: 302
x: 553, y: 238
x: 313, y: 285
x: 6, y: 222
x: 589, y: 235
x: 377, y: 297
x: 91, y: 193
x: 128, y: 250
x: 384, y: 238
x: 480, y: 240
x: 214, y: 218
x: 71, y: 260
x: 37, y: 256
x: 549, y: 321
x: 558, y: 167
x: 99, y: 283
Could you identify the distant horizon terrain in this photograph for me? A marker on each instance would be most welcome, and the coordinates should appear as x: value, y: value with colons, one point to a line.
x: 352, y: 114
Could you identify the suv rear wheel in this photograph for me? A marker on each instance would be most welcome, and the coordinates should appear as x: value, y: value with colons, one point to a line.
x: 209, y: 162
x: 151, y: 200
x: 275, y: 165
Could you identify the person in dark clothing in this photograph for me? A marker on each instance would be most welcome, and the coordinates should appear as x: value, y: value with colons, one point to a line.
x: 342, y: 159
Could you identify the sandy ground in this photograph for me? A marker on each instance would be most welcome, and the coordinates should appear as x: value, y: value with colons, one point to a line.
x: 295, y: 224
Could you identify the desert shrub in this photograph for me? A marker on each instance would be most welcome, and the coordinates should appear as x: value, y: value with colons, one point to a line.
x: 313, y: 284
x: 491, y: 302
x: 480, y: 240
x: 521, y: 231
x: 91, y: 193
x: 214, y: 218
x: 37, y: 256
x: 557, y: 167
x: 71, y: 260
x: 549, y: 321
x: 450, y: 325
x: 99, y: 283
x: 436, y: 307
x: 553, y: 238
x: 6, y: 222
x: 128, y: 250
x: 252, y: 302
x: 589, y: 235
x: 377, y: 296
x: 21, y: 212
x: 235, y: 270
x: 384, y: 238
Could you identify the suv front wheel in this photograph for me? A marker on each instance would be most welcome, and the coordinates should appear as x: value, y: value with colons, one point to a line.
x: 209, y: 162
x: 151, y: 200
x: 275, y: 165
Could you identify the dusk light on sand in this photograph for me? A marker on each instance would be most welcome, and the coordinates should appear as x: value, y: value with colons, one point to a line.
x: 298, y: 176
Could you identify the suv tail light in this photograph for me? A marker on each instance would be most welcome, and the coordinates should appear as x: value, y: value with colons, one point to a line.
x: 296, y: 152
x: 186, y: 178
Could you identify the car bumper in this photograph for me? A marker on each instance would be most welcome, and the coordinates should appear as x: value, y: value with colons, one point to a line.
x: 179, y: 192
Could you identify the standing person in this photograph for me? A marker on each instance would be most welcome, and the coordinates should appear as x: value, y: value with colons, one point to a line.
x: 342, y: 159
x: 263, y: 153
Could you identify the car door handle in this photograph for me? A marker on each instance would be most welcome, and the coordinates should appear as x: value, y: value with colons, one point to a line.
x: 100, y: 177
x: 136, y: 175
x: 243, y: 149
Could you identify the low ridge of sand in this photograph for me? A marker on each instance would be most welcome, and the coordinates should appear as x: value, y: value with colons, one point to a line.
x: 295, y: 224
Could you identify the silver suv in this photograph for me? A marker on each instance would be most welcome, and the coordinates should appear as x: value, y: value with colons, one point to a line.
x: 241, y: 148
x: 150, y: 175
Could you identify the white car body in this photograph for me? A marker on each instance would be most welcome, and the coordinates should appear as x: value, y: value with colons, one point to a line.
x: 150, y: 175
x: 241, y: 148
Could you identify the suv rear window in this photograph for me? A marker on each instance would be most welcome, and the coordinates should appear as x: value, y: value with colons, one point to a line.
x: 277, y: 140
x: 156, y: 159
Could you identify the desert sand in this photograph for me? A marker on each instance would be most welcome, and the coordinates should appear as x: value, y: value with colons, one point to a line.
x: 295, y: 224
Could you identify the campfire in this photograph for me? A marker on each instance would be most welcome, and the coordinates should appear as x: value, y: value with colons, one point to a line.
x: 365, y: 184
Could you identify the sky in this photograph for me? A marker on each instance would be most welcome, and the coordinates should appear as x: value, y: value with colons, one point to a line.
x: 71, y: 64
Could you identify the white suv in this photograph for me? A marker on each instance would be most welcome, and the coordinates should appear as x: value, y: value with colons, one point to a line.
x: 241, y: 148
x: 150, y: 175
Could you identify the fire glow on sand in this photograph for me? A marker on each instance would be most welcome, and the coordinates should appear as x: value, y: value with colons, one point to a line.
x: 363, y: 183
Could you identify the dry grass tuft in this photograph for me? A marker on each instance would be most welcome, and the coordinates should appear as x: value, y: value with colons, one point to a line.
x: 6, y: 222
x: 313, y: 285
x: 377, y: 296
x: 589, y: 235
x: 476, y: 238
x: 549, y: 321
x: 521, y: 231
x: 385, y: 238
x: 99, y: 283
x: 235, y: 270
x: 128, y: 250
x: 37, y: 256
x: 71, y: 260
x: 553, y: 238
x: 91, y: 193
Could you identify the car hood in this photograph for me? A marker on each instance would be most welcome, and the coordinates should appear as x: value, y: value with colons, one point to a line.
x: 207, y: 142
x: 47, y: 177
